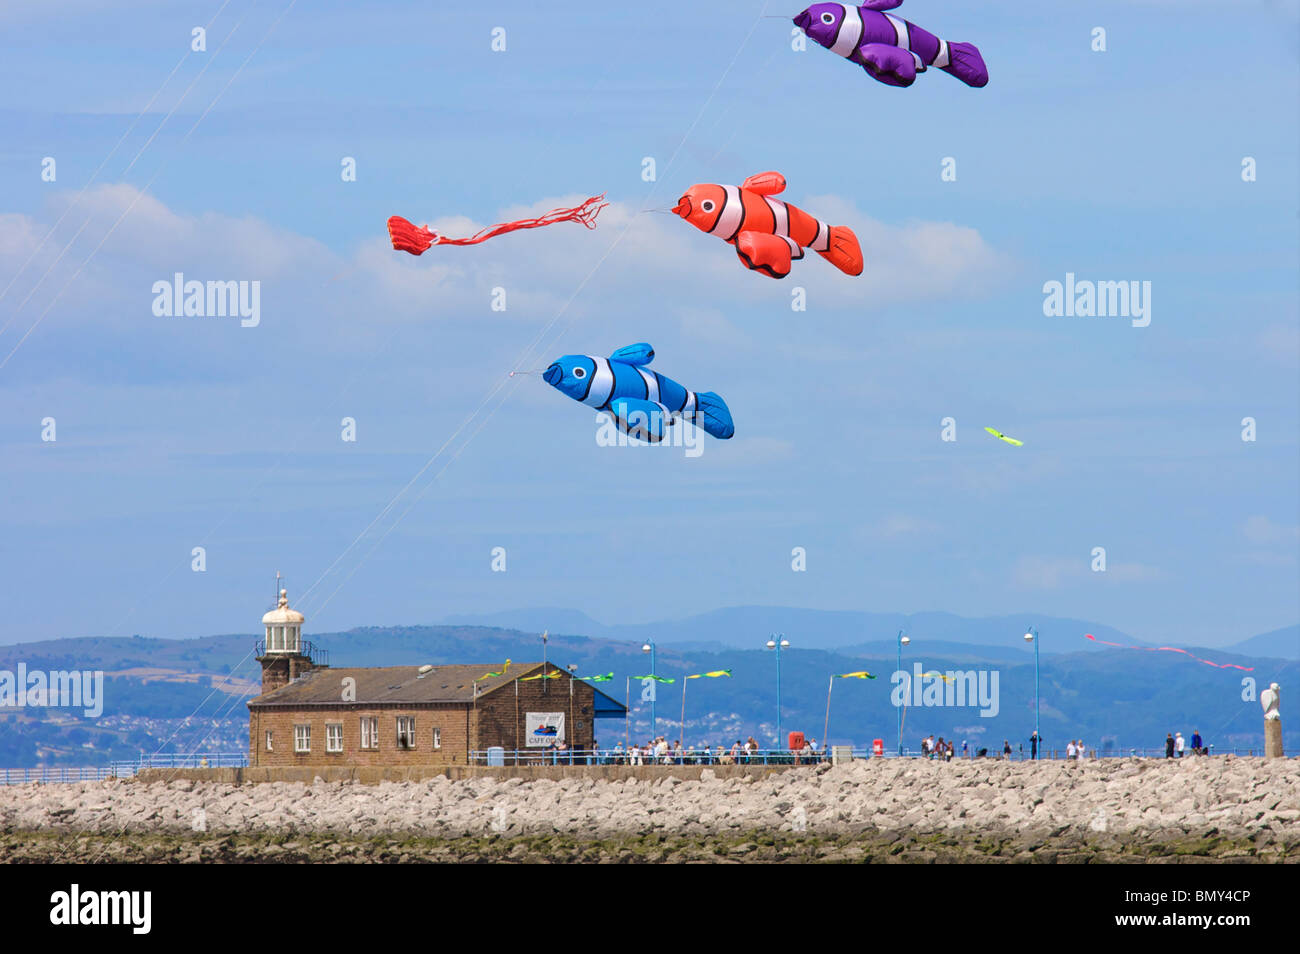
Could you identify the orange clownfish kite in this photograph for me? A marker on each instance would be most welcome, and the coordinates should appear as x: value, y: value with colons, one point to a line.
x: 768, y: 234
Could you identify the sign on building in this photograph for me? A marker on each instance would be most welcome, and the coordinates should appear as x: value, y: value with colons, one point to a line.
x: 544, y: 728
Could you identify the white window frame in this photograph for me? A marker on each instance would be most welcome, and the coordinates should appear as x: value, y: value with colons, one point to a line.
x: 333, y: 736
x: 370, y: 733
x: 302, y: 738
x: 268, y: 741
x: 437, y: 738
x: 406, y: 732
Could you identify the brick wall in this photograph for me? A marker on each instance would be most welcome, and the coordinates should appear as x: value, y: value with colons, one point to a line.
x: 449, y: 718
x: 495, y: 719
x: 498, y: 724
x: 280, y: 669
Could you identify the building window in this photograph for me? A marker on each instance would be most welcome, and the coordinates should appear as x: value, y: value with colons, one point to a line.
x: 268, y: 740
x: 302, y: 738
x: 370, y: 732
x: 406, y: 732
x: 437, y: 738
x: 333, y: 737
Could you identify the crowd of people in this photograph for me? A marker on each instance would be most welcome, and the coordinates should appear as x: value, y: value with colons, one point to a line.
x: 946, y: 750
x: 1176, y: 746
x: 931, y: 749
x: 659, y: 752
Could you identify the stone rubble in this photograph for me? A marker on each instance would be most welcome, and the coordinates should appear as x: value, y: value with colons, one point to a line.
x: 1229, y: 796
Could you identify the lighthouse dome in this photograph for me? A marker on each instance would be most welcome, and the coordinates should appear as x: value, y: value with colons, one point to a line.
x: 283, y: 627
x: 282, y: 614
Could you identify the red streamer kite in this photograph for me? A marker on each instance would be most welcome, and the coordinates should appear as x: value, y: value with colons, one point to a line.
x: 416, y: 239
x: 1172, y: 649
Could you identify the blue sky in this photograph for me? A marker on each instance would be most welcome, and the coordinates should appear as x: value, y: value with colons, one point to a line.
x: 177, y: 433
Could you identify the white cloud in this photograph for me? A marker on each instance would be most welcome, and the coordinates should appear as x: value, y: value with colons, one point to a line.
x: 539, y: 268
x: 320, y: 302
x: 1262, y: 531
x: 1051, y: 573
x: 904, y: 525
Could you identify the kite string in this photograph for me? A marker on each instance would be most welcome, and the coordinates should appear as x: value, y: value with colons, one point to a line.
x: 111, y: 153
x: 535, y: 346
x: 141, y: 194
x: 46, y: 274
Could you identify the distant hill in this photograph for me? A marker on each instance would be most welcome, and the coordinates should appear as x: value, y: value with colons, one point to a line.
x: 743, y: 627
x: 1113, y: 698
x: 1281, y: 643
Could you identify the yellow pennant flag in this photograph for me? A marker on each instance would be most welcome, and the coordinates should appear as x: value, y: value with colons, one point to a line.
x: 488, y: 675
x: 860, y: 674
x: 711, y: 675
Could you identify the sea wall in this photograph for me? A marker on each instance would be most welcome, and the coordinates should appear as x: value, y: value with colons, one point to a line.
x: 1191, y: 795
x: 374, y: 775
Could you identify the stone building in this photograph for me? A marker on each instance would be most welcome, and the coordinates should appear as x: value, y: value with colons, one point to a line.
x: 310, y: 714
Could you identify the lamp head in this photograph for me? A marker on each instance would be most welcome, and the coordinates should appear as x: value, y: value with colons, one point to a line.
x: 770, y: 644
x: 645, y: 648
x: 905, y: 640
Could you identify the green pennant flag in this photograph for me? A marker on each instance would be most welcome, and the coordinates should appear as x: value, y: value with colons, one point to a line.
x: 937, y: 675
x: 543, y: 675
x: 605, y: 678
x: 711, y: 675
x: 860, y: 674
x: 655, y: 678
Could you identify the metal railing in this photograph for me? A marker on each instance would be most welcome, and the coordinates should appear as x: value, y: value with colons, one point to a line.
x: 318, y: 656
x: 51, y: 774
x: 48, y: 774
x: 56, y: 774
x: 785, y: 757
x: 623, y: 757
x: 1060, y: 754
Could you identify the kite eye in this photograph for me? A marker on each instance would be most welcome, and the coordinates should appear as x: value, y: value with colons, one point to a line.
x: 579, y: 373
x: 828, y: 18
x: 707, y: 205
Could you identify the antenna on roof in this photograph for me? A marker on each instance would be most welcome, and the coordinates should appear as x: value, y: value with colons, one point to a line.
x: 544, y: 679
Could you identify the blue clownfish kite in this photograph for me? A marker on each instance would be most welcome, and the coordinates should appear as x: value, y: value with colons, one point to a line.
x: 642, y: 403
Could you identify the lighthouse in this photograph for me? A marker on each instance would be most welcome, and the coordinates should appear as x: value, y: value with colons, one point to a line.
x: 283, y: 653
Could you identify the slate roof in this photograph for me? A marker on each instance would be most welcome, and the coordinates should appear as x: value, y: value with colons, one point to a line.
x: 395, y: 685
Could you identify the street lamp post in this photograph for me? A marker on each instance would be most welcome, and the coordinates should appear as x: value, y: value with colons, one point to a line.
x: 902, y: 641
x: 778, y: 642
x: 1032, y: 637
x: 649, y: 647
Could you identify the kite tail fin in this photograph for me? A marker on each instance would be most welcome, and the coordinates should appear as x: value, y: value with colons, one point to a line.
x: 408, y: 237
x: 844, y: 252
x: 965, y: 63
x: 712, y: 414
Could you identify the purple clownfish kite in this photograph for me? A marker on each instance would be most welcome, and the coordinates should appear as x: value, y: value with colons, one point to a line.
x: 892, y: 50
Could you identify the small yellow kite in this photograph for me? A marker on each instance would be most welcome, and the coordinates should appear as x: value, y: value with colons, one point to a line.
x: 1002, y: 437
